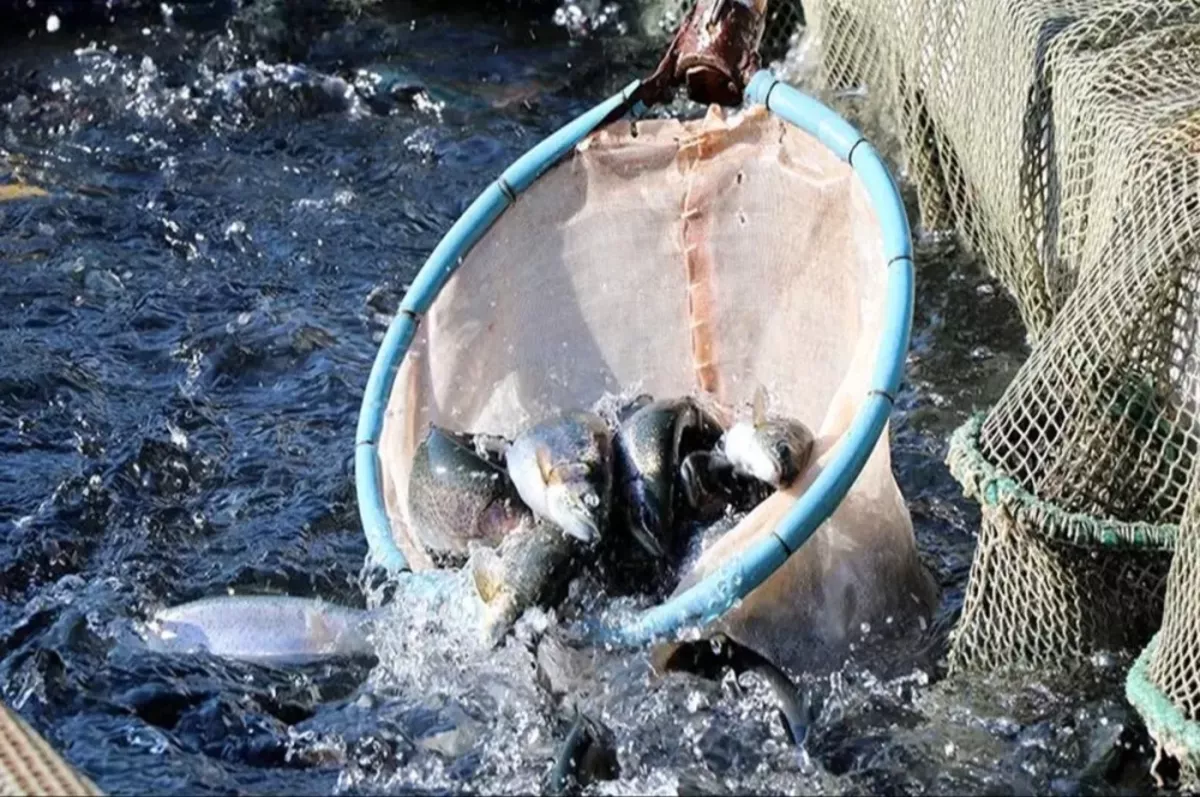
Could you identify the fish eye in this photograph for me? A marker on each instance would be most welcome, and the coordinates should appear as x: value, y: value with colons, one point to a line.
x: 591, y: 500
x: 783, y: 451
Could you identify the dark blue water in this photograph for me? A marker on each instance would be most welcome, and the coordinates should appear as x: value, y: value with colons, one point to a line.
x: 236, y: 199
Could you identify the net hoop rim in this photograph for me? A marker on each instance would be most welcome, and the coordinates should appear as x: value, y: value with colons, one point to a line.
x: 723, y: 589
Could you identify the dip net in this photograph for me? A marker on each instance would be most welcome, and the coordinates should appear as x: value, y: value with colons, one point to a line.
x: 1060, y: 140
x: 708, y: 258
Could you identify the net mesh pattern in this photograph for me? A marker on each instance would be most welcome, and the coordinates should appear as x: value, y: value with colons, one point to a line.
x: 1164, y: 684
x: 29, y: 766
x: 1030, y: 598
x: 1047, y: 586
x: 1175, y: 666
x: 1060, y: 140
x: 1101, y: 419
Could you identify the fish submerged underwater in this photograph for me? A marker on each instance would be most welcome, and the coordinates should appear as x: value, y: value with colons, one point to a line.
x: 264, y: 629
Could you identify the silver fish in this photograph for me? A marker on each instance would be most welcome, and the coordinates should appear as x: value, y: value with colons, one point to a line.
x: 562, y: 469
x: 265, y: 629
x: 532, y: 566
x: 459, y: 491
x: 772, y: 449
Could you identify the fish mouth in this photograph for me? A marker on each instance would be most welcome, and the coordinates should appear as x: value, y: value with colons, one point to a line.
x: 577, y: 509
x: 580, y: 526
x: 572, y: 515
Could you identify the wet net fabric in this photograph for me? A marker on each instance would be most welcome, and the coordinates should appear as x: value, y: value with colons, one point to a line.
x: 1164, y: 684
x: 1060, y: 139
x: 700, y: 258
x: 29, y: 766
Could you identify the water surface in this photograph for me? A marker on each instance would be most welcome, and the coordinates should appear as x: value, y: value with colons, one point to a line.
x: 235, y: 204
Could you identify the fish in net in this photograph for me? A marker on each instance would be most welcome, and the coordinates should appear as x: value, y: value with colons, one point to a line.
x: 715, y: 258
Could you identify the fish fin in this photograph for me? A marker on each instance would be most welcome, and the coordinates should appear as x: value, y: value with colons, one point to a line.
x: 485, y: 573
x: 759, y: 408
x: 545, y: 465
x: 568, y: 472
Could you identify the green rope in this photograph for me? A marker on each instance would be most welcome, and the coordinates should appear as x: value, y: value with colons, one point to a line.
x: 989, y: 485
x: 1166, y: 723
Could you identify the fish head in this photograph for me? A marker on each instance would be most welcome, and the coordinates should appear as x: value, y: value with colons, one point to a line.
x: 743, y: 447
x: 576, y: 496
x: 789, y: 443
x: 164, y: 635
x: 575, y: 502
x: 774, y: 450
x: 574, y: 507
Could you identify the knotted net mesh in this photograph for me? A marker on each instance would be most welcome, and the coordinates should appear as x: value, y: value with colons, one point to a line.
x: 707, y: 257
x: 1165, y: 682
x: 30, y: 766
x: 1060, y: 140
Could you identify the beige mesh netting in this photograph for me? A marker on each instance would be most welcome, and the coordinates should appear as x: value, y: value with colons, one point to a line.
x: 1060, y: 139
x: 711, y: 256
x: 1100, y: 421
x: 1165, y: 682
x: 971, y: 84
x: 29, y: 766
